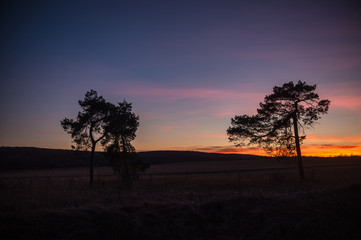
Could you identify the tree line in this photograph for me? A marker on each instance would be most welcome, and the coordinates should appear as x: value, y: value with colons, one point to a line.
x: 278, y: 127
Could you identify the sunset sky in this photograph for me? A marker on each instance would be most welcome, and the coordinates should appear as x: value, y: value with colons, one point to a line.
x: 187, y: 67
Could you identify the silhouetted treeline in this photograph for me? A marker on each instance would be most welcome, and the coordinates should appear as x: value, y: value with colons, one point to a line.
x: 17, y: 158
x: 13, y: 158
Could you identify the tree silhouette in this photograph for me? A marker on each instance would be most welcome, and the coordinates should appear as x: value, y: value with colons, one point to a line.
x: 114, y: 126
x: 276, y: 125
x: 120, y: 131
x: 90, y: 126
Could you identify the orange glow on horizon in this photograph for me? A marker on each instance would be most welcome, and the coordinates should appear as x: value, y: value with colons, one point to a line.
x: 307, y: 150
x: 328, y: 153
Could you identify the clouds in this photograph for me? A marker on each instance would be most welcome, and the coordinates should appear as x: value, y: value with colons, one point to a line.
x: 162, y: 93
x: 229, y: 149
x: 343, y: 94
x: 334, y: 140
x: 307, y: 150
x: 331, y: 150
x: 186, y: 66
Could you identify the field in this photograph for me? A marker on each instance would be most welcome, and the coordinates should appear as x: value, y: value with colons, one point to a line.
x: 190, y: 202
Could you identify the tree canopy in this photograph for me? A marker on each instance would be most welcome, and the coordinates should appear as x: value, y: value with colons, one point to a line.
x: 281, y: 115
x: 123, y: 124
x: 89, y: 127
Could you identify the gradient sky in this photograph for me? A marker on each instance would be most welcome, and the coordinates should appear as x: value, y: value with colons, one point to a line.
x: 187, y: 66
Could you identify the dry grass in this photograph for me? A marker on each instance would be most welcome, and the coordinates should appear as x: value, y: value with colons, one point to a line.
x: 64, y: 191
x: 252, y: 205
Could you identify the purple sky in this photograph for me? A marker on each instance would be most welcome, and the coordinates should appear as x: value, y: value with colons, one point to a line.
x: 187, y: 66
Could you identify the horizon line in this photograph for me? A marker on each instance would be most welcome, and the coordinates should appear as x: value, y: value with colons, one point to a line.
x: 198, y: 151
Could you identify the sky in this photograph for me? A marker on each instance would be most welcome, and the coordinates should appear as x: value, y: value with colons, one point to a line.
x: 187, y: 67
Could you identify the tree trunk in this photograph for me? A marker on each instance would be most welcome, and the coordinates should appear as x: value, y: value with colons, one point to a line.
x: 298, y: 147
x: 126, y: 163
x: 91, y: 169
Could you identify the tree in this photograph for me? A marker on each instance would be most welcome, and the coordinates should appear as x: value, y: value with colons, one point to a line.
x: 276, y: 126
x: 114, y: 126
x: 90, y: 126
x: 123, y: 124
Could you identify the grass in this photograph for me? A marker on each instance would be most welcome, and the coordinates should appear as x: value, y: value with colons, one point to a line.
x: 251, y: 205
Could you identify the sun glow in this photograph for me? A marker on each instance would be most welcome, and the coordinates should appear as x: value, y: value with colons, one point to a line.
x: 307, y: 150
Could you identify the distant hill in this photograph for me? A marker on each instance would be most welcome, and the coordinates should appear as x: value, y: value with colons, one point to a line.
x: 39, y: 158
x: 16, y: 158
x: 156, y: 157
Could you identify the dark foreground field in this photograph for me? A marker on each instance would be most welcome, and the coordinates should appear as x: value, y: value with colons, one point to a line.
x: 249, y: 205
